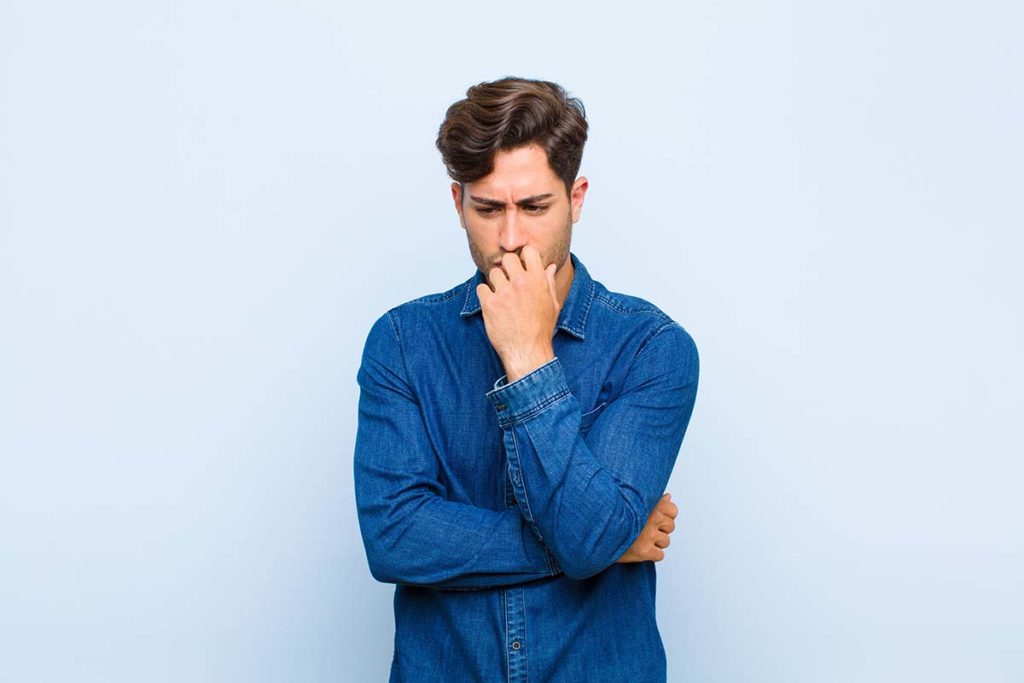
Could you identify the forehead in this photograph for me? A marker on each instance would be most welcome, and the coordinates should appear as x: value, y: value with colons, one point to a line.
x: 519, y: 172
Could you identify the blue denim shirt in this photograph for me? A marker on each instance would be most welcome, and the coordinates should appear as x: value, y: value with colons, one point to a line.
x: 499, y: 509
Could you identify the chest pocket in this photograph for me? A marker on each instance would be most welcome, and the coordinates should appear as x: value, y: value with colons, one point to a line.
x: 587, y: 419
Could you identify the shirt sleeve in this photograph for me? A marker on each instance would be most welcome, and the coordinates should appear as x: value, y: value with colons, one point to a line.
x: 412, y: 534
x: 589, y: 495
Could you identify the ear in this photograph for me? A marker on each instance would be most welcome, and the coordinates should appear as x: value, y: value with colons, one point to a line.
x: 457, y: 197
x: 579, y: 190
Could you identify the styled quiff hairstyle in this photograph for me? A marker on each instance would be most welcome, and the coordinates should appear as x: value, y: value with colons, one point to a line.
x: 510, y: 113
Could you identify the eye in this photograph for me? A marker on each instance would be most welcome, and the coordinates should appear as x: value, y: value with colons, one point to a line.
x: 534, y: 208
x: 486, y: 210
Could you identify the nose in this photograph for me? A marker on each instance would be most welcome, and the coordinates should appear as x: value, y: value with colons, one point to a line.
x: 513, y: 237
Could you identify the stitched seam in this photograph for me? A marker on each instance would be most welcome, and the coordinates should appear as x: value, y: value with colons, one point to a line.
x: 466, y: 310
x: 522, y: 483
x: 533, y: 411
x: 394, y: 326
x: 526, y: 648
x: 647, y: 342
x: 542, y: 370
x: 586, y: 310
x: 579, y: 330
x: 629, y: 311
x: 508, y: 655
x: 401, y: 352
x: 436, y: 298
x: 600, y: 405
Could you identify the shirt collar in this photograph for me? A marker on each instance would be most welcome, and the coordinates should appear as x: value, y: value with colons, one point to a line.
x: 572, y: 319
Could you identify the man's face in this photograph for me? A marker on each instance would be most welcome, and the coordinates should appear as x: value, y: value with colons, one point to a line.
x: 520, y: 202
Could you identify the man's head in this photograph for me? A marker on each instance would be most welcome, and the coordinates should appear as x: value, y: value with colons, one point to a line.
x: 510, y: 113
x: 513, y: 148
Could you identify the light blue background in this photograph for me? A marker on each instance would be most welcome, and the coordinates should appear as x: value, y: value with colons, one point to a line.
x: 203, y: 207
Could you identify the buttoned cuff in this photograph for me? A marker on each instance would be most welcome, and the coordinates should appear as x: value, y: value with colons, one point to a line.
x: 530, y: 394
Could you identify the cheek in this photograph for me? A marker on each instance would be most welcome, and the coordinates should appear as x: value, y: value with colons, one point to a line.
x: 481, y: 240
x: 477, y: 232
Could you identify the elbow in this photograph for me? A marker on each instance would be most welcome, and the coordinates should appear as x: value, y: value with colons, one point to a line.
x: 391, y: 564
x: 580, y: 571
x: 393, y: 553
x: 383, y: 573
x: 384, y: 554
x: 582, y: 563
x: 382, y: 570
x: 383, y: 558
x: 581, y: 557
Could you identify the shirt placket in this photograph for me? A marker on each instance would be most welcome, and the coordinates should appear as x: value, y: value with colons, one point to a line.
x: 515, y: 633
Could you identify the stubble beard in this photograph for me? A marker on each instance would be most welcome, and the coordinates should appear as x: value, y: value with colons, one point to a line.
x: 559, y: 251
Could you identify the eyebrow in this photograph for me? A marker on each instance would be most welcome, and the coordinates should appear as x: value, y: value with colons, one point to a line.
x: 522, y: 202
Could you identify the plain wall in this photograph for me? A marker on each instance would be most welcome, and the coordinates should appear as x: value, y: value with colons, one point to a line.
x: 204, y: 206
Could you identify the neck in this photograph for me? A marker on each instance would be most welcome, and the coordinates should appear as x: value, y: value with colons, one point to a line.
x: 563, y: 280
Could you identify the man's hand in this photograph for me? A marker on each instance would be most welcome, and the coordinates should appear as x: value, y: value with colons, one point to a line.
x: 521, y: 312
x: 654, y: 537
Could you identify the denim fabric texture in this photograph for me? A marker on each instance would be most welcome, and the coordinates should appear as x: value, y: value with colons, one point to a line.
x: 499, y: 509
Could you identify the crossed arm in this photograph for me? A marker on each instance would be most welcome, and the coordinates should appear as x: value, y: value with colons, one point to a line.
x: 414, y: 535
x: 590, y: 497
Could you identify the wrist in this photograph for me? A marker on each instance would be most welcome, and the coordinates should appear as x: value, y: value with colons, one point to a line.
x: 520, y: 365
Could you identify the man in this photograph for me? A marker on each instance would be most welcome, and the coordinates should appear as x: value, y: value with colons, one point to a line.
x: 516, y: 431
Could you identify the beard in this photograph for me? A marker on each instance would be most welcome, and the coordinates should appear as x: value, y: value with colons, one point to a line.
x: 556, y: 253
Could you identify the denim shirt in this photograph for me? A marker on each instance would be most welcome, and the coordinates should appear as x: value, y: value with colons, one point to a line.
x: 499, y: 509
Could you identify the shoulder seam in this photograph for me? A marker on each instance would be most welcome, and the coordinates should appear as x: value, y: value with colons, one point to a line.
x: 630, y: 311
x: 401, y: 352
x: 437, y: 298
x: 394, y: 325
x: 670, y: 324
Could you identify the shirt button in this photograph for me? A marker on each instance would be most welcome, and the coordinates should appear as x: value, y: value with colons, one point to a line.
x: 516, y: 645
x: 500, y: 406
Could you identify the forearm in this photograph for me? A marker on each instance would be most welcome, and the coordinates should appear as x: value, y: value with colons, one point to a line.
x: 411, y: 531
x: 425, y: 540
x: 589, y: 497
x: 583, y: 513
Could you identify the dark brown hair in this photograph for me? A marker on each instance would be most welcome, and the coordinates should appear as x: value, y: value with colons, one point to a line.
x: 510, y: 113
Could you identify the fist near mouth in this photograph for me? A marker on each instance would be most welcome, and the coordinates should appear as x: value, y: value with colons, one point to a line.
x: 520, y: 308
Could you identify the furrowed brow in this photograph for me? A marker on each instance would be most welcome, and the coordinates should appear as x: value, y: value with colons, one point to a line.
x: 489, y: 202
x: 534, y: 199
x: 522, y: 202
